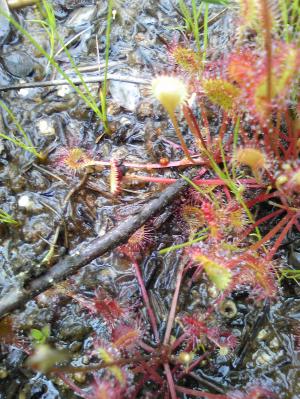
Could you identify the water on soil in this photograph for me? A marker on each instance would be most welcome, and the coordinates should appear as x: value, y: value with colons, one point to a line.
x: 56, y: 119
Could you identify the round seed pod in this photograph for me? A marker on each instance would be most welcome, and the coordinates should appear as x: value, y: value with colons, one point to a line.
x: 228, y: 309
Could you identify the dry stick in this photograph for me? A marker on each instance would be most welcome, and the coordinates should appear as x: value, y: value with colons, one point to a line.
x: 47, y: 259
x: 60, y: 82
x: 89, y: 251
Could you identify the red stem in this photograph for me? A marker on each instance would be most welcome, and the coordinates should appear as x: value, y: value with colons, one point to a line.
x: 282, y: 236
x: 261, y: 198
x: 172, y: 312
x: 271, y: 233
x: 205, y: 122
x: 150, y: 166
x: 193, y: 124
x: 179, y: 341
x: 207, y: 182
x: 193, y: 365
x: 200, y: 394
x: 260, y: 221
x: 145, y: 298
x: 170, y: 381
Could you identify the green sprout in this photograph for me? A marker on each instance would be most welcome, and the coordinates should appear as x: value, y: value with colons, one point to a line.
x: 24, y: 143
x: 6, y: 218
x: 191, y: 19
x: 40, y: 337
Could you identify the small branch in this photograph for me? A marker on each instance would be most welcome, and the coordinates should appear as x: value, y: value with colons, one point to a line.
x: 89, y: 251
x: 61, y: 82
x: 47, y: 259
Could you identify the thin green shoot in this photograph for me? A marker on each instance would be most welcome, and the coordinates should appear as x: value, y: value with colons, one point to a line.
x: 285, y: 19
x: 103, y: 90
x: 235, y: 189
x: 205, y: 32
x: 191, y: 20
x: 200, y: 233
x: 46, y: 10
x: 234, y: 148
x: 291, y: 274
x: 6, y: 218
x: 183, y: 245
x: 26, y: 143
x: 290, y: 16
x: 195, y: 26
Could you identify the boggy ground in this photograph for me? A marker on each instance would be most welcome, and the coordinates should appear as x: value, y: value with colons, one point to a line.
x: 35, y: 195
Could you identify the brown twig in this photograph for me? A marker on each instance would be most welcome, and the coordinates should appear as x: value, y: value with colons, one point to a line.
x: 61, y: 82
x: 47, y: 259
x: 89, y: 251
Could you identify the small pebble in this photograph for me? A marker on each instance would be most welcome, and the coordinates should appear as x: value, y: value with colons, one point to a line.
x: 262, y: 335
x: 274, y: 344
x: 263, y: 359
x: 212, y: 291
x: 45, y: 128
x: 80, y: 377
x: 64, y: 90
x: 3, y: 373
x: 26, y: 202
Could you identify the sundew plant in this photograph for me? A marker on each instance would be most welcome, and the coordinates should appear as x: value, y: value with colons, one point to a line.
x: 233, y: 220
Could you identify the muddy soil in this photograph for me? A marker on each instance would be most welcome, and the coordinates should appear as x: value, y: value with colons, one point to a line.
x: 34, y: 193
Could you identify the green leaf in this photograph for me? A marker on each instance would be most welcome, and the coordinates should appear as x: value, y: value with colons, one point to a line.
x: 37, y: 335
x: 219, y: 2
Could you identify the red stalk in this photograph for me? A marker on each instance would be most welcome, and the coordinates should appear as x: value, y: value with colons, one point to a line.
x: 282, y: 235
x: 150, y: 166
x: 145, y: 298
x: 200, y: 394
x: 271, y: 233
x: 205, y: 122
x: 170, y: 381
x: 193, y: 124
x: 172, y: 312
x: 260, y: 221
x: 205, y: 182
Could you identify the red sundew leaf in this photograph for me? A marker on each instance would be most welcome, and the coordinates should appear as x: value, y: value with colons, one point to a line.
x: 222, y: 93
x: 138, y: 242
x: 125, y: 337
x: 250, y: 72
x: 193, y: 326
x: 259, y: 274
x: 240, y: 67
x: 115, y: 178
x: 105, y: 306
x: 74, y: 158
